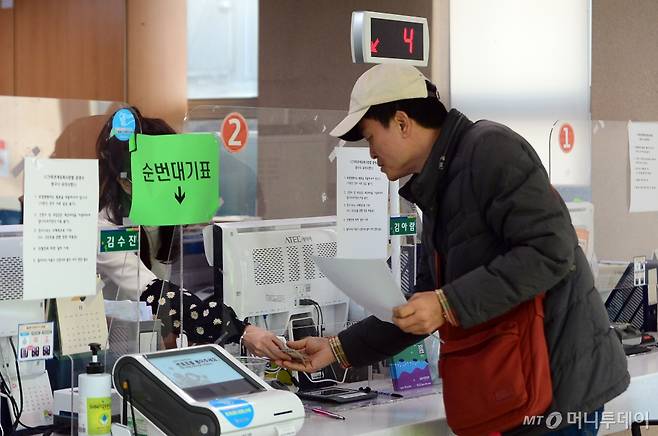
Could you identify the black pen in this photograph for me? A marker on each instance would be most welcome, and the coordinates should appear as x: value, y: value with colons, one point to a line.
x: 368, y: 389
x: 391, y: 394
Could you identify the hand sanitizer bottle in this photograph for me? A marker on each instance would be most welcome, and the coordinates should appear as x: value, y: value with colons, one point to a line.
x: 95, y: 396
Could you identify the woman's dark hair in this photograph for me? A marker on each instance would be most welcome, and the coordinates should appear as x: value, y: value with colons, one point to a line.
x: 113, y: 160
x: 429, y: 112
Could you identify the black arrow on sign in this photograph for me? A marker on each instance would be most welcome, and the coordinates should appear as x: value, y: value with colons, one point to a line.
x: 180, y: 196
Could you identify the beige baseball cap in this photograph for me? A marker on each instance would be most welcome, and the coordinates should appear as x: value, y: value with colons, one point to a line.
x: 382, y: 83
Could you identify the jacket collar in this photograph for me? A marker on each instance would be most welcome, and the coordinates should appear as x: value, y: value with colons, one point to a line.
x: 422, y: 188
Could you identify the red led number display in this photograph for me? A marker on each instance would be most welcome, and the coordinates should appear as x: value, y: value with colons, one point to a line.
x: 396, y: 39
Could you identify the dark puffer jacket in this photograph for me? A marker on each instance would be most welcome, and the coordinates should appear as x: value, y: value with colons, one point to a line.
x: 504, y: 236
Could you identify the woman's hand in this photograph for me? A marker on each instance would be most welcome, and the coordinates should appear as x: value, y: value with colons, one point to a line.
x: 263, y: 343
x: 317, y: 351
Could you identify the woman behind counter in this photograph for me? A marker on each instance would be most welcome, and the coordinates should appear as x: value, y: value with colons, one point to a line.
x: 203, y: 321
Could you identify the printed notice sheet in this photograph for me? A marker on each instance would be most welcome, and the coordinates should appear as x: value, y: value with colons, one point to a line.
x: 60, y: 228
x: 361, y: 205
x: 643, y: 155
x: 368, y: 282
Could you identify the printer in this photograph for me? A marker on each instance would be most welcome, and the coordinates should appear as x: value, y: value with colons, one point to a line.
x: 204, y: 391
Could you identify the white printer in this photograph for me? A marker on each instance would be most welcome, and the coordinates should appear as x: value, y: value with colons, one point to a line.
x: 204, y: 391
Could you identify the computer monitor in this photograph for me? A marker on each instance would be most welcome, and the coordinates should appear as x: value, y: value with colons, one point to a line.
x: 266, y: 268
x: 13, y: 310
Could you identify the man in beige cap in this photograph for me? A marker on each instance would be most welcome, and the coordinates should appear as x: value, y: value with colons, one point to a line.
x: 498, y: 239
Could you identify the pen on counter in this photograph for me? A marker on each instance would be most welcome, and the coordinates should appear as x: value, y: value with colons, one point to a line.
x: 321, y: 411
x: 368, y: 389
x: 390, y: 394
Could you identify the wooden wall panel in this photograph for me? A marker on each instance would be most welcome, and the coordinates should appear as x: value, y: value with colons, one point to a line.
x: 304, y: 55
x: 624, y: 87
x: 6, y: 51
x: 78, y: 138
x: 157, y: 58
x: 624, y: 64
x: 70, y: 48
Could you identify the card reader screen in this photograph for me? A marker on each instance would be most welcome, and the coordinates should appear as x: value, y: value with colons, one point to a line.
x: 203, y: 374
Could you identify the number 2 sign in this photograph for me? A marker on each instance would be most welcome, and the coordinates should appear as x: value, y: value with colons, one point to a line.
x: 234, y: 132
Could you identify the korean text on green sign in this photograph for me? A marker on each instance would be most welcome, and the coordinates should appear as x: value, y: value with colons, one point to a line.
x: 120, y: 239
x: 403, y: 225
x: 175, y: 178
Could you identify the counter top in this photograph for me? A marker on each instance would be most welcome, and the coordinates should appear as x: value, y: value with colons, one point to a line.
x: 424, y: 414
x: 640, y: 401
x: 420, y: 413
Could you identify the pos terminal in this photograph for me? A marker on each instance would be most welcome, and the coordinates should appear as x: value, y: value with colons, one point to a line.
x: 204, y: 391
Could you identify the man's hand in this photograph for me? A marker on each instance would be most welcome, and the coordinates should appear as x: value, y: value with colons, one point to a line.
x: 263, y: 343
x: 318, y: 354
x: 421, y: 315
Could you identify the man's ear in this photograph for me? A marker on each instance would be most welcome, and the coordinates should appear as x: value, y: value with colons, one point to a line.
x: 402, y: 122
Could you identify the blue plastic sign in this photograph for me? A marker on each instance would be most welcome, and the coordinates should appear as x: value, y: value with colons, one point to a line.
x: 238, y: 412
x: 123, y: 124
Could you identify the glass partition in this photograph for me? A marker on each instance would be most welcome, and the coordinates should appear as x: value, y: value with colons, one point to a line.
x: 595, y: 168
x: 606, y: 172
x: 110, y: 313
x: 285, y: 170
x: 277, y: 210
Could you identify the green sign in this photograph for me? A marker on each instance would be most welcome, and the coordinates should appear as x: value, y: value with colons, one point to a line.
x: 175, y: 178
x: 403, y: 225
x: 121, y: 239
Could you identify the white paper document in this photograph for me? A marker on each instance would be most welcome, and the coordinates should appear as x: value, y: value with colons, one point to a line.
x: 368, y: 282
x: 61, y: 228
x: 643, y: 155
x: 361, y: 205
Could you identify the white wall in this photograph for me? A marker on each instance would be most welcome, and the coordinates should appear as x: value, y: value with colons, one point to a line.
x: 526, y: 63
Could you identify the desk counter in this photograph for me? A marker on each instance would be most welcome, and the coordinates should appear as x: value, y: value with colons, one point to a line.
x: 424, y: 414
x: 420, y: 413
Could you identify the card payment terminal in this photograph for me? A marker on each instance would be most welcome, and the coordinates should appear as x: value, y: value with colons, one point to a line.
x: 204, y: 391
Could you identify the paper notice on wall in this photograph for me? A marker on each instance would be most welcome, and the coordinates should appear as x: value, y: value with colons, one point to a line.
x: 361, y: 205
x: 643, y: 155
x: 60, y: 228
